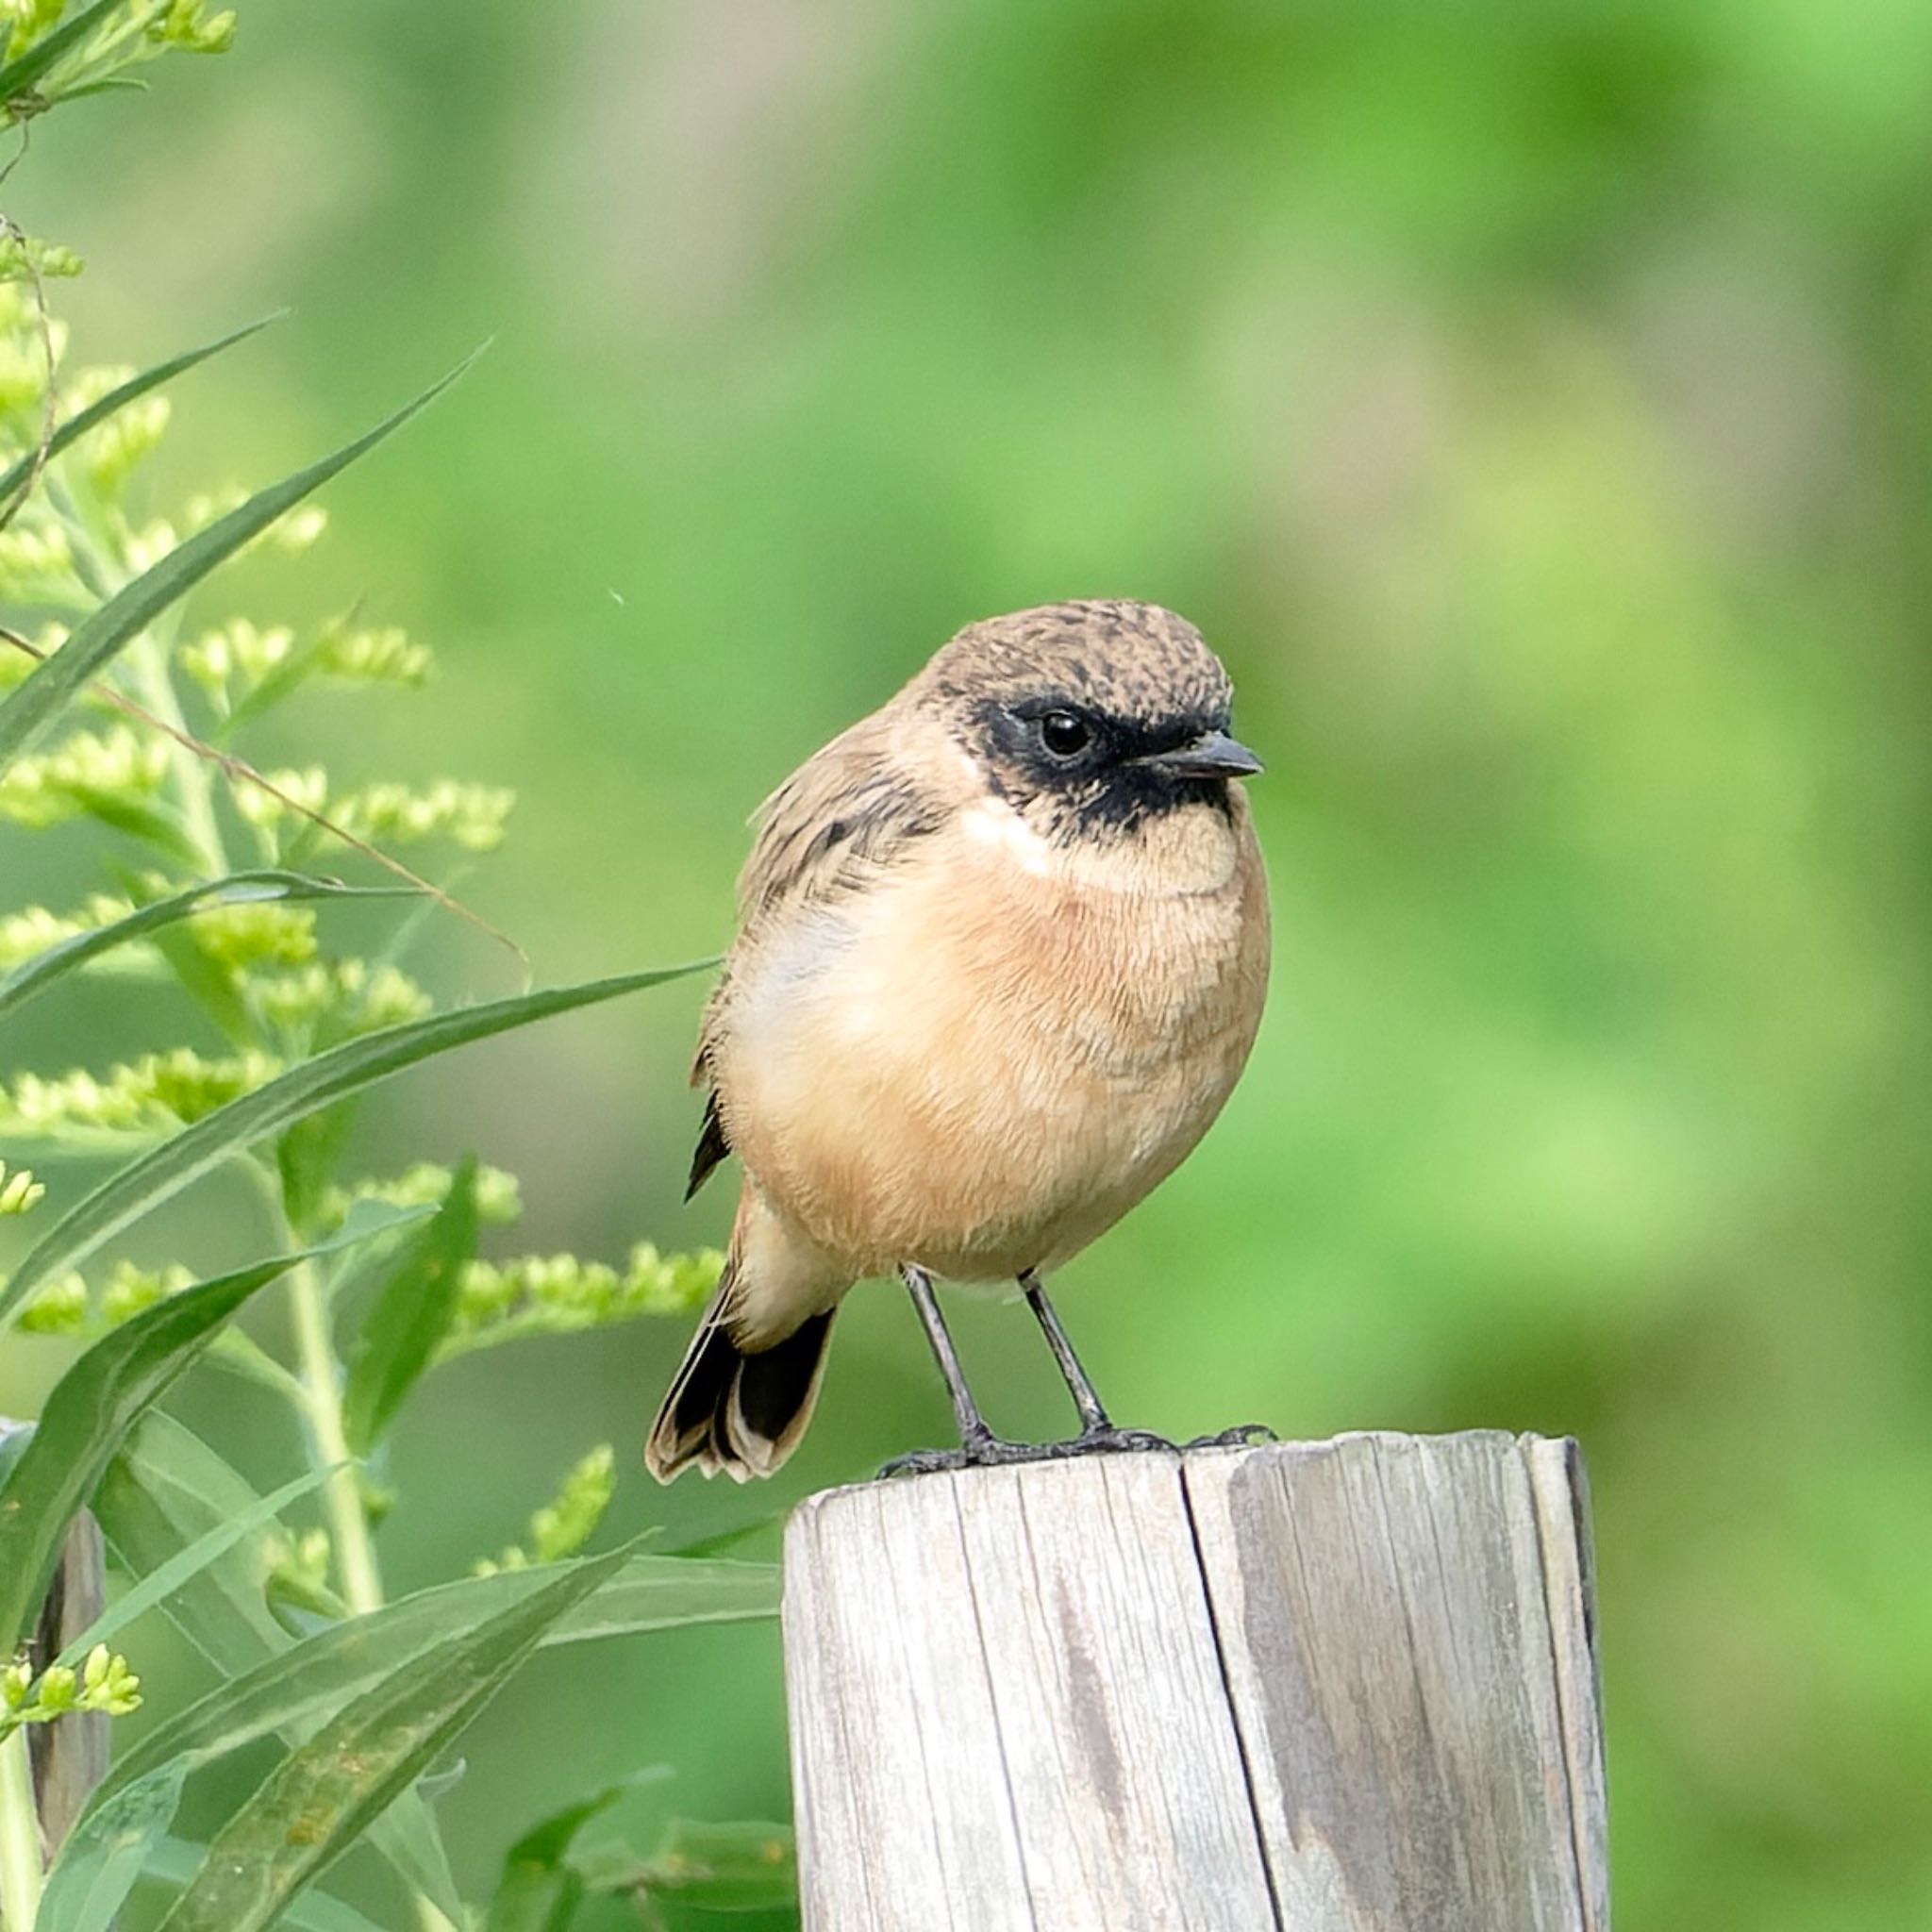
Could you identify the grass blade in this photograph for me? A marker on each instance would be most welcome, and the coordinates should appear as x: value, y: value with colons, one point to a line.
x: 313, y: 1806
x: 166, y: 1490
x: 291, y: 1690
x: 91, y: 1411
x: 105, y: 632
x: 92, y: 1876
x: 44, y: 969
x: 539, y: 1890
x: 409, y: 1316
x: 116, y: 400
x: 164, y: 1171
x: 721, y: 1868
x: 312, y: 1681
x: 187, y: 1563
x: 175, y: 1862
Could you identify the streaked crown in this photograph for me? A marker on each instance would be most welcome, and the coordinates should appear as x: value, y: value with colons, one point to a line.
x: 1132, y: 661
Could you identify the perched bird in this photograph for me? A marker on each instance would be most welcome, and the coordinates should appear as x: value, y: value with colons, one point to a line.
x: 1003, y: 951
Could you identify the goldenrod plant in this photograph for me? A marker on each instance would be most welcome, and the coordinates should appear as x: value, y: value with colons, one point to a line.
x: 128, y: 709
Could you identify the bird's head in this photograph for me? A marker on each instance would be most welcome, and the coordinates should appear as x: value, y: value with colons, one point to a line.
x: 1089, y: 718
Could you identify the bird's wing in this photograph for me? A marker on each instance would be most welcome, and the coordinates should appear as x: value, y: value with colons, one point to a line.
x: 845, y: 813
x: 844, y: 816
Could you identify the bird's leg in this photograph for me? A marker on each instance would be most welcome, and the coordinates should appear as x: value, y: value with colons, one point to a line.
x: 1097, y: 1431
x: 976, y: 1442
x: 978, y: 1447
x: 1093, y: 1415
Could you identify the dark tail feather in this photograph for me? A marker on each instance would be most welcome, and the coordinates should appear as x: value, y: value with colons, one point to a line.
x: 737, y: 1412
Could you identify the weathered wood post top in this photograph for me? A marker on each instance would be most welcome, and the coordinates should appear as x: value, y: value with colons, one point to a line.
x: 1312, y: 1686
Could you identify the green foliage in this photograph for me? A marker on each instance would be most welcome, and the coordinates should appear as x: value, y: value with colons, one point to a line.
x: 328, y: 1790
x: 1532, y: 405
x: 91, y: 1410
x: 101, y: 1683
x: 52, y: 58
x: 123, y: 721
x: 562, y: 1527
x: 399, y: 1334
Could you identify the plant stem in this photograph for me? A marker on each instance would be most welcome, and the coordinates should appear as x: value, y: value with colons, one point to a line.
x: 20, y: 1835
x: 322, y: 1390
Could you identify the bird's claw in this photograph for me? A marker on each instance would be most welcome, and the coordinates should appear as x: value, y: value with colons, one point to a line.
x: 1243, y: 1436
x: 995, y: 1451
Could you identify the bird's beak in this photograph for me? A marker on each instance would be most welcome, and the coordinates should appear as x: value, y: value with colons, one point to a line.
x: 1213, y: 754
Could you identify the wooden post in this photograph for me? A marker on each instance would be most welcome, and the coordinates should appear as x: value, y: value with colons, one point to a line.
x: 1319, y: 1687
x: 69, y: 1757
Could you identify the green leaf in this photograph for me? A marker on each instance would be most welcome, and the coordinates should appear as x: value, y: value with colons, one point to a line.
x: 93, y: 1875
x: 665, y: 1592
x: 535, y: 1898
x: 542, y: 1885
x: 409, y: 1838
x: 187, y: 1563
x: 175, y: 1862
x: 164, y: 1171
x: 313, y: 1680
x: 17, y: 77
x: 160, y: 829
x: 134, y: 388
x: 723, y: 1868
x: 164, y: 1491
x: 98, y: 1400
x: 315, y: 1802
x: 539, y: 1891
x: 281, y: 681
x: 409, y: 1316
x: 105, y: 632
x: 114, y: 84
x: 14, y: 1436
x: 91, y: 1408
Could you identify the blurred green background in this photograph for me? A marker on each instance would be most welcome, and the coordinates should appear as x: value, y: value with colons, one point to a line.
x: 1534, y: 405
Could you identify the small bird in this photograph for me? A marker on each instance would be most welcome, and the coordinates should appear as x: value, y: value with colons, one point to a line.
x: 1003, y: 949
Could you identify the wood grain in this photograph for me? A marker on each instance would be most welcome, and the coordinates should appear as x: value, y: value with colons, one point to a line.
x: 1329, y: 1687
x: 70, y: 1757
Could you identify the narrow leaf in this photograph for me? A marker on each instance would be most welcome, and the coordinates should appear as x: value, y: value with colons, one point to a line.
x: 312, y: 1681
x: 94, y: 1875
x: 164, y: 1491
x: 92, y: 1408
x: 105, y: 632
x: 409, y: 1838
x: 131, y: 391
x: 164, y: 1170
x: 160, y: 829
x: 311, y: 1806
x: 539, y: 1890
x: 535, y: 1898
x: 168, y: 1487
x: 668, y: 1593
x: 17, y: 76
x: 175, y: 1862
x: 242, y: 888
x: 724, y: 1868
x: 409, y: 1316
x: 187, y: 1563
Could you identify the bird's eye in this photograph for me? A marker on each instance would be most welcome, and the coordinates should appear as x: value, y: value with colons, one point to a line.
x: 1064, y: 734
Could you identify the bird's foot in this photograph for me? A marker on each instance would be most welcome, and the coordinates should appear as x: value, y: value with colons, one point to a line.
x: 995, y: 1451
x: 1108, y: 1441
x: 1244, y: 1436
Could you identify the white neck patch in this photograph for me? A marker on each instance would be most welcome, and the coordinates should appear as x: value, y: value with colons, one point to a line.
x: 994, y: 823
